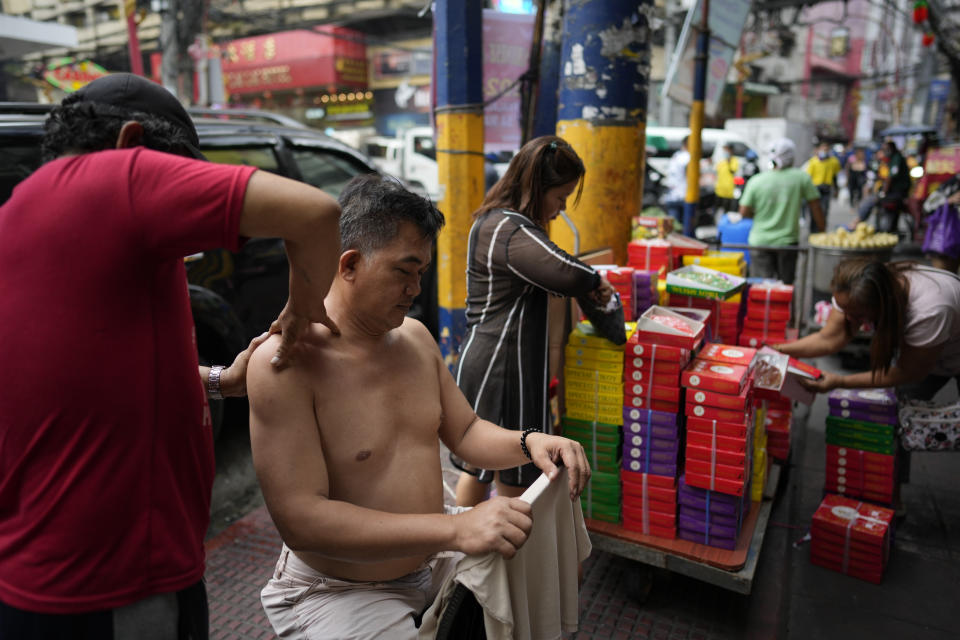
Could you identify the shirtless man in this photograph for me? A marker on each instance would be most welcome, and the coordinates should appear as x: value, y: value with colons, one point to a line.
x: 346, y: 441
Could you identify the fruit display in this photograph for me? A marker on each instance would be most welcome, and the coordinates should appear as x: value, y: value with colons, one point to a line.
x: 864, y: 236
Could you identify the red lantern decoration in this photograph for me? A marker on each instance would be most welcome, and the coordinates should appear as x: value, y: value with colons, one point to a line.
x: 927, y: 39
x: 921, y: 11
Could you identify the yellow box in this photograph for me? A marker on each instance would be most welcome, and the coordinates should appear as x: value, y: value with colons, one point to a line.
x: 571, y: 374
x: 589, y: 398
x: 602, y: 366
x: 583, y: 336
x: 716, y: 259
x: 586, y: 353
x: 593, y: 386
x: 601, y: 414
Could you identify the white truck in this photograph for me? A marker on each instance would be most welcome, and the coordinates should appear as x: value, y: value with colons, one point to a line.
x: 410, y: 156
x: 761, y: 133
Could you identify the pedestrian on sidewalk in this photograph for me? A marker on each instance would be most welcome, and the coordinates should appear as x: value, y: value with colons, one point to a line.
x: 676, y: 181
x: 823, y: 169
x: 513, y: 270
x: 106, y: 463
x: 773, y: 199
x: 727, y: 168
x: 345, y: 442
x: 856, y: 175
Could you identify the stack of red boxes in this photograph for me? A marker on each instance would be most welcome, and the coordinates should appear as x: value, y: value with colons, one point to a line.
x: 685, y: 246
x: 768, y: 313
x: 856, y: 467
x: 655, y: 354
x: 719, y: 410
x: 778, y: 416
x: 650, y: 255
x: 621, y: 279
x: 725, y: 316
x: 851, y: 537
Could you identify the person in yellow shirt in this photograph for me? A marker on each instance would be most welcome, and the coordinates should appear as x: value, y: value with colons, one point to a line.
x: 727, y: 167
x: 823, y: 169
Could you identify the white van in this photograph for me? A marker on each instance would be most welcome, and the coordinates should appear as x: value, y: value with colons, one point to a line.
x: 712, y: 141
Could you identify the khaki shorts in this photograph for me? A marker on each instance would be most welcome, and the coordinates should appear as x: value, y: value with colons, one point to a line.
x: 303, y: 603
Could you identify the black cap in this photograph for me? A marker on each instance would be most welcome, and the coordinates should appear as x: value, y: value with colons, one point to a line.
x: 129, y: 91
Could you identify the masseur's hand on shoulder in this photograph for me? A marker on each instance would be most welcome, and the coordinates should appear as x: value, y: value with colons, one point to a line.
x: 547, y: 451
x: 500, y: 524
x: 233, y: 379
x: 293, y: 325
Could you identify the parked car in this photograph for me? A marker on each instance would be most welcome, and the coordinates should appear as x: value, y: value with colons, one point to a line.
x: 234, y: 296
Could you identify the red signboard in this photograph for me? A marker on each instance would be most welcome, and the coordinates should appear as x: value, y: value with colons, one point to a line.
x: 326, y: 55
x: 506, y: 55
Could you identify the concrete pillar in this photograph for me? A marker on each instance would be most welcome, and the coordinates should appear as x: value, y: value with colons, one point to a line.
x: 602, y: 111
x: 459, y: 121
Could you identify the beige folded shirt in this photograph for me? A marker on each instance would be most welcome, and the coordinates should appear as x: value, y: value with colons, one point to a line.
x: 534, y: 594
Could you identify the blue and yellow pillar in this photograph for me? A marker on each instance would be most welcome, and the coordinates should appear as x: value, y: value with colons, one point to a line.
x: 459, y: 122
x: 602, y: 111
x: 695, y: 142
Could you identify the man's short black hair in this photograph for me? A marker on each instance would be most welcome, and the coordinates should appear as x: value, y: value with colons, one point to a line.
x: 372, y: 208
x: 85, y: 127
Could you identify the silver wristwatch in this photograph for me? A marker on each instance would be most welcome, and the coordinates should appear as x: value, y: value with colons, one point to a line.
x: 213, y: 382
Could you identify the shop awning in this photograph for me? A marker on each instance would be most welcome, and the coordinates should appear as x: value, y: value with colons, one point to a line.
x: 19, y: 36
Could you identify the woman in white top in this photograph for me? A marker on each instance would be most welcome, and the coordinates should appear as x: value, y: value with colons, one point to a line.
x: 915, y: 312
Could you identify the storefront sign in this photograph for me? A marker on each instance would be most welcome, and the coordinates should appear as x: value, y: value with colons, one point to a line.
x: 70, y: 74
x: 506, y: 54
x: 296, y: 59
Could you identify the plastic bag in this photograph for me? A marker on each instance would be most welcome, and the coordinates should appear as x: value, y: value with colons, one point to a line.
x: 943, y: 232
x: 607, y: 320
x: 926, y: 427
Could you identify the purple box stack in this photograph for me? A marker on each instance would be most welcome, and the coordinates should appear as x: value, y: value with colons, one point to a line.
x: 651, y: 441
x: 710, y: 517
x: 644, y: 291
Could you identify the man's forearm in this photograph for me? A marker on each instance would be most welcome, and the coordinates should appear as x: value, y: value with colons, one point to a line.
x: 342, y: 531
x: 489, y: 446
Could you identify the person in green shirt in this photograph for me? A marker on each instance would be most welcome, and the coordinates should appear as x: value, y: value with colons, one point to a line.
x: 773, y: 199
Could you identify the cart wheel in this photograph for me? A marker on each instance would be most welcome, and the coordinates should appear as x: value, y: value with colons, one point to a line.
x: 639, y: 582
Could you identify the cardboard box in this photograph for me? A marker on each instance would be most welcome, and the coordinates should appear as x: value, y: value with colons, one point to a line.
x: 591, y: 398
x: 635, y: 513
x: 715, y: 259
x: 736, y: 430
x: 600, y: 414
x: 654, y: 352
x: 712, y: 413
x: 637, y: 402
x: 757, y: 340
x: 879, y: 401
x: 718, y: 507
x: 644, y: 417
x: 700, y: 282
x: 728, y: 354
x: 652, y: 391
x: 707, y: 526
x: 726, y: 520
x: 712, y: 376
x: 573, y: 352
x: 764, y: 325
x: 669, y: 533
x: 770, y: 292
x: 739, y: 403
x: 652, y: 367
x: 866, y: 416
x: 721, y: 443
x: 602, y: 366
x: 660, y: 482
x: 713, y: 469
x: 718, y: 484
x: 655, y: 468
x: 590, y: 425
x: 860, y: 459
x: 634, y: 440
x: 587, y: 435
x: 631, y: 376
x: 584, y: 336
x: 707, y: 454
x: 653, y: 456
x: 592, y: 386
x: 662, y: 326
x: 855, y: 520
x: 588, y: 375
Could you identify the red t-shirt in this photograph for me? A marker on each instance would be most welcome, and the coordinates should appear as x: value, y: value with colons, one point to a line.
x: 106, y: 451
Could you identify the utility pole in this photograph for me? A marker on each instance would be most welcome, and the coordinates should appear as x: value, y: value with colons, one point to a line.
x: 548, y: 78
x: 604, y: 82
x: 181, y: 21
x: 459, y: 122
x: 669, y: 45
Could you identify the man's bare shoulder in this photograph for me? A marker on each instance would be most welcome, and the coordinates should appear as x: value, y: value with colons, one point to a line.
x: 416, y: 332
x: 309, y: 349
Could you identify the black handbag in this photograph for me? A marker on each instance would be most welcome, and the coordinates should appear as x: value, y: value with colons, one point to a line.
x: 607, y: 320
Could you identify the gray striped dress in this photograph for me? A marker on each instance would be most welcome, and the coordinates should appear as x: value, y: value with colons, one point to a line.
x: 512, y: 266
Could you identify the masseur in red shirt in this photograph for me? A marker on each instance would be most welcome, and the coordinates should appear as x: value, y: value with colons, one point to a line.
x: 106, y: 450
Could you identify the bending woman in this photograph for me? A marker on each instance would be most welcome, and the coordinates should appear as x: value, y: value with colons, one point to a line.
x: 915, y: 311
x: 512, y: 269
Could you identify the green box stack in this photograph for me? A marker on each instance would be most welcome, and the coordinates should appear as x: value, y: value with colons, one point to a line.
x: 602, y: 442
x: 601, y: 498
x: 859, y: 434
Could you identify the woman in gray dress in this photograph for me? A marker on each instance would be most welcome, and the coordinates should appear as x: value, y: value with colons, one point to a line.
x: 512, y: 269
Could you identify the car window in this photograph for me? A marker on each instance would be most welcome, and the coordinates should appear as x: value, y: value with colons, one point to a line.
x: 19, y: 161
x: 425, y: 147
x: 260, y: 157
x: 327, y: 170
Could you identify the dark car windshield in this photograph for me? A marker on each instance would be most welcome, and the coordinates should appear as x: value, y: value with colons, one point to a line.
x: 326, y: 170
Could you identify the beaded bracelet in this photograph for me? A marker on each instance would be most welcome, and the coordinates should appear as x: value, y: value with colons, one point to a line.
x: 523, y: 442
